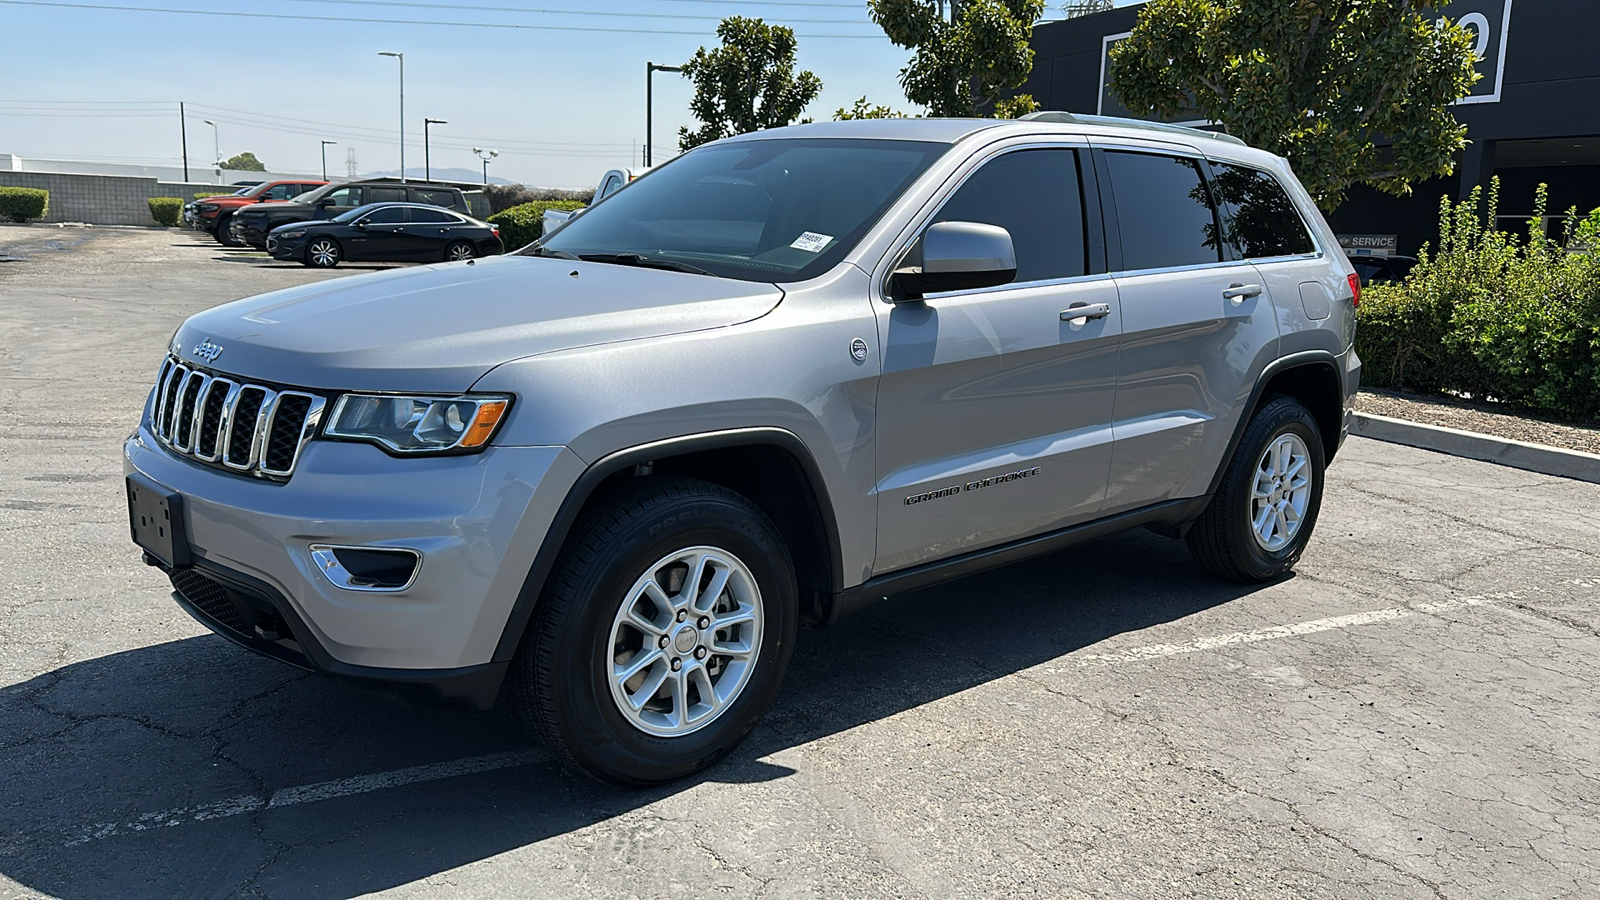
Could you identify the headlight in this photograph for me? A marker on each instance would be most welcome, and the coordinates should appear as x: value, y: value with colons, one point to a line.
x: 208, y: 207
x: 459, y: 424
x: 290, y: 234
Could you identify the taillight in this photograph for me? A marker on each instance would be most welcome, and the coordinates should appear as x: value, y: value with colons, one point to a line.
x: 1355, y: 288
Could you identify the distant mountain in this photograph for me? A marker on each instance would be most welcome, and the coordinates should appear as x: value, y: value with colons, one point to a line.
x: 440, y: 173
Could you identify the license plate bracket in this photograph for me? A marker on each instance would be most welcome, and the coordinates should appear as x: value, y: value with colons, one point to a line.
x: 155, y: 516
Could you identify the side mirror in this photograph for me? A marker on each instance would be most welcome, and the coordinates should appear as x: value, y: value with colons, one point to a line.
x: 362, y: 224
x: 325, y: 202
x: 958, y: 256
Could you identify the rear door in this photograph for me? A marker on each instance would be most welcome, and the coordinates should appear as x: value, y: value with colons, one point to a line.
x: 1196, y: 324
x: 994, y: 410
x: 428, y: 233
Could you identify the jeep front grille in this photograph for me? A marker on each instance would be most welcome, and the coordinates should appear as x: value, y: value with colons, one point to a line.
x: 251, y: 429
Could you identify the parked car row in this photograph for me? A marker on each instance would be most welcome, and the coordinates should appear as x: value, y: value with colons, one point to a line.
x: 320, y: 223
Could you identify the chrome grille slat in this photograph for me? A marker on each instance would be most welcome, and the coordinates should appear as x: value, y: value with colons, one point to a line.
x: 249, y: 429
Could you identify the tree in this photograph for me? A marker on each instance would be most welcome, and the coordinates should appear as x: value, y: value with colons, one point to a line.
x: 244, y: 162
x: 864, y: 110
x: 963, y: 63
x: 746, y: 84
x: 1320, y: 82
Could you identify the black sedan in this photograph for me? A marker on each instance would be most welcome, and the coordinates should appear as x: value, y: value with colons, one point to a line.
x: 385, y: 232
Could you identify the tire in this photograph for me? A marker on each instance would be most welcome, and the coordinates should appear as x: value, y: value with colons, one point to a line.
x: 1225, y: 539
x: 224, y: 223
x: 459, y: 251
x: 323, y: 253
x: 650, y: 531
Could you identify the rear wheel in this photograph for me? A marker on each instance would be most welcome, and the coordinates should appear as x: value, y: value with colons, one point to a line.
x: 1259, y: 521
x: 458, y: 251
x: 323, y: 253
x: 663, y: 634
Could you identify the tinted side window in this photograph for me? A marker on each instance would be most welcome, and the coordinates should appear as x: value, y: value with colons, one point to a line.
x: 1035, y: 195
x: 1257, y: 217
x: 432, y: 216
x: 1163, y: 211
x: 432, y: 196
x: 389, y: 215
x: 386, y: 195
x: 278, y: 192
x: 348, y: 196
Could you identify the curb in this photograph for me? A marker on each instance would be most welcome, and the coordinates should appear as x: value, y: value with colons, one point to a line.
x: 1470, y: 444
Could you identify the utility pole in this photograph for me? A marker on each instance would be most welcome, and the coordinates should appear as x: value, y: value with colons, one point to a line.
x: 325, y: 158
x: 427, y: 154
x: 650, y: 69
x: 402, y: 58
x: 183, y: 126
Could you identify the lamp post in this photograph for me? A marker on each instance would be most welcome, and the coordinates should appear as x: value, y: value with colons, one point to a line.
x: 325, y: 158
x: 650, y: 69
x: 402, y: 58
x: 216, y: 148
x: 427, y: 155
x: 485, y: 155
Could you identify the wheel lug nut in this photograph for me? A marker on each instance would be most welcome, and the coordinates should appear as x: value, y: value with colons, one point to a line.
x: 663, y: 642
x: 677, y: 664
x: 699, y: 653
x: 704, y: 623
x: 683, y: 614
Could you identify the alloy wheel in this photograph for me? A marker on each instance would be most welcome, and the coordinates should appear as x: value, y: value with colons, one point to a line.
x: 684, y: 641
x: 323, y: 253
x: 1280, y: 492
x: 459, y: 252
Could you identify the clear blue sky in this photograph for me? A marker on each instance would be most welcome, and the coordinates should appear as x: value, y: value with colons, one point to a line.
x: 560, y: 105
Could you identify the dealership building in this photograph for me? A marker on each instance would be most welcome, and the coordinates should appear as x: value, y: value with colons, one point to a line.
x: 1534, y: 116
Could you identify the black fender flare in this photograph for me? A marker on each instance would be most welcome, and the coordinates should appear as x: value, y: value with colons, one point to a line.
x: 1282, y: 364
x: 578, y: 495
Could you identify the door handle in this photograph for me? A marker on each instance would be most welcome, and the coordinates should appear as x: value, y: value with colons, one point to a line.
x: 1238, y: 292
x: 1085, y: 311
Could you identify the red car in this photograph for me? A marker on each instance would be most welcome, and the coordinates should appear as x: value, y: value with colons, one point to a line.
x: 212, y: 214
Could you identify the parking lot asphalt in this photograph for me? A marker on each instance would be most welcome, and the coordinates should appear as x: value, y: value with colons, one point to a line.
x: 1412, y: 714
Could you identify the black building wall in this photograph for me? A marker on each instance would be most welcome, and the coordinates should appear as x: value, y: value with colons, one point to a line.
x: 1544, y: 127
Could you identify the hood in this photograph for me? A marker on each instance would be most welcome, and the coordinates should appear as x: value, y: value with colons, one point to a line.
x: 441, y: 327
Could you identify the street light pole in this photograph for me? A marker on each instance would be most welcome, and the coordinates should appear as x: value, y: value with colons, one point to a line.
x: 485, y: 155
x: 325, y: 158
x: 216, y: 148
x: 402, y: 58
x: 650, y: 69
x: 427, y: 154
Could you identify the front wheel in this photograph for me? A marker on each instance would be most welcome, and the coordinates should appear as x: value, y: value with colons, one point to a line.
x: 323, y: 253
x: 1260, y: 519
x: 224, y: 233
x: 459, y: 251
x: 663, y: 633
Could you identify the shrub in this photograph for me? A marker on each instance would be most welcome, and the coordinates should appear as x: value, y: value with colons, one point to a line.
x: 524, y: 224
x: 201, y: 195
x: 504, y: 196
x: 19, y: 204
x: 166, y: 210
x: 1493, y: 315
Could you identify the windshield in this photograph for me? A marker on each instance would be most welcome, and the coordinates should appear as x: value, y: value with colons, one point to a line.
x: 764, y: 210
x: 354, y: 214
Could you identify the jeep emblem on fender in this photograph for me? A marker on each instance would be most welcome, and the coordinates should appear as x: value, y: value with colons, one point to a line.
x: 858, y: 349
x: 207, y: 351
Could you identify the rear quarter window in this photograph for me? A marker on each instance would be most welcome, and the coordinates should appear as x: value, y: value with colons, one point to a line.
x: 1258, y: 218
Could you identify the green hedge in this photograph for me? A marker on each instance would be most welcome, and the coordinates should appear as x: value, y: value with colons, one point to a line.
x: 19, y: 204
x: 1493, y: 315
x: 201, y: 195
x: 522, y: 225
x: 166, y: 210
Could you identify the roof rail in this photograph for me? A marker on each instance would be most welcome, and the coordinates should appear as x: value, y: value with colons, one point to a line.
x: 1066, y: 118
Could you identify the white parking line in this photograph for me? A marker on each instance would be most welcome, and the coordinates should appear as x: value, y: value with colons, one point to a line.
x: 310, y: 793
x: 1214, y: 642
x: 364, y: 784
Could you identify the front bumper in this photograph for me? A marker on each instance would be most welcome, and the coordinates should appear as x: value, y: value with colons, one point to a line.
x: 248, y: 233
x: 477, y: 522
x: 286, y: 248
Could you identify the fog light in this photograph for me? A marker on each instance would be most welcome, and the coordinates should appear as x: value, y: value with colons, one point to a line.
x: 367, y: 568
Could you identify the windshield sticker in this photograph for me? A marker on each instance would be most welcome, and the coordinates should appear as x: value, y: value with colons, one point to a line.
x: 811, y: 242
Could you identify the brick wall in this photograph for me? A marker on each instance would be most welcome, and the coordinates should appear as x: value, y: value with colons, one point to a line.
x: 103, y: 199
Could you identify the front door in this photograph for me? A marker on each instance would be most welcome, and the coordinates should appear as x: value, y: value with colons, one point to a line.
x: 380, y: 235
x: 994, y: 411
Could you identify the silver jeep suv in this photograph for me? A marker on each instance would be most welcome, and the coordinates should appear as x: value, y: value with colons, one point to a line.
x: 785, y: 374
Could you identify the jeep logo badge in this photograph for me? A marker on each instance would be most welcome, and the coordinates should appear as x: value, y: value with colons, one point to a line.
x: 207, y: 351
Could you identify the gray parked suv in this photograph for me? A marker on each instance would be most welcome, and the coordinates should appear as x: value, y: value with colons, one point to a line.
x: 785, y: 374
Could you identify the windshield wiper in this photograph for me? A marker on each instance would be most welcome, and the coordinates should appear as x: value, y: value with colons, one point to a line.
x: 536, y: 250
x: 643, y: 262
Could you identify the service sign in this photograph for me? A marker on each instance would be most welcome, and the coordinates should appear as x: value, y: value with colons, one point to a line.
x: 1369, y: 244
